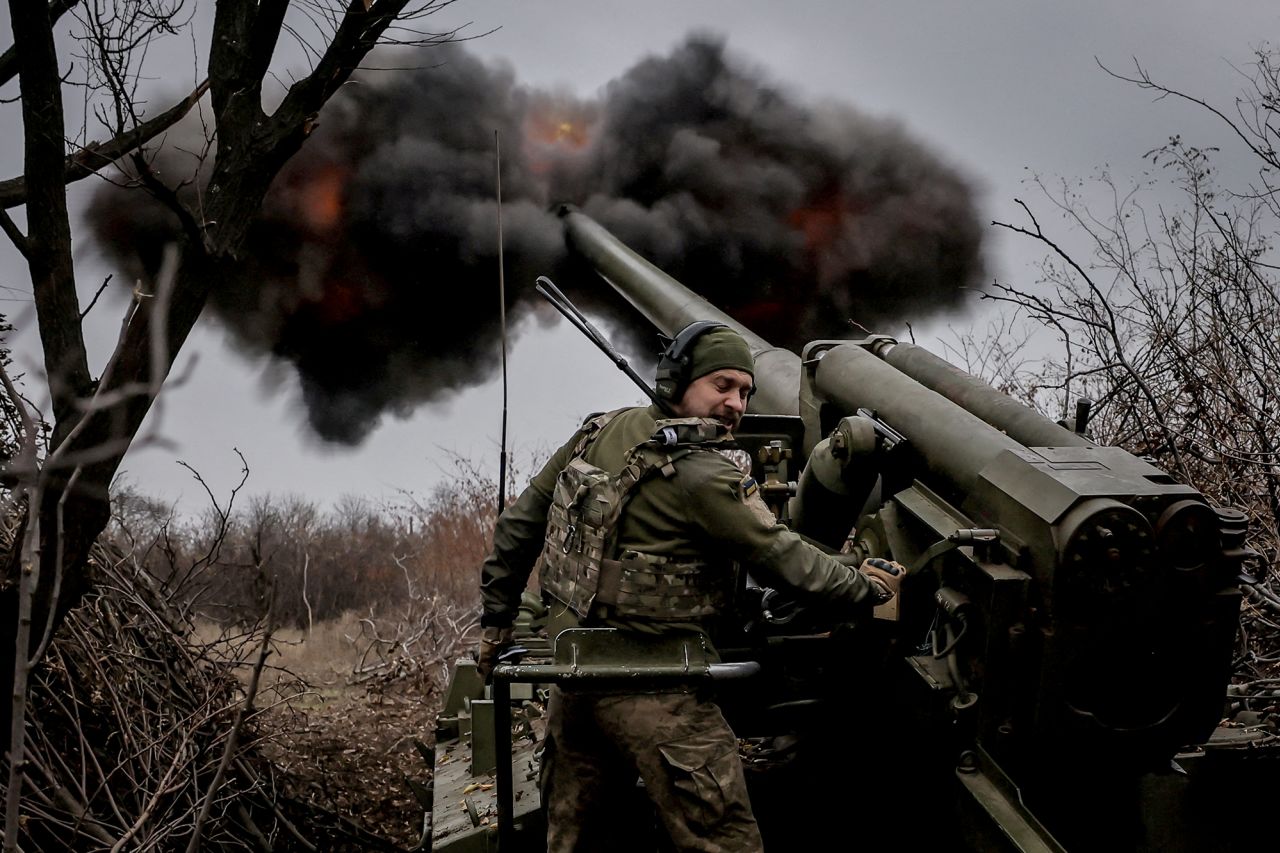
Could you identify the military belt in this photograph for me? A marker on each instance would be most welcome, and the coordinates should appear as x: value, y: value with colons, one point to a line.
x: 658, y: 589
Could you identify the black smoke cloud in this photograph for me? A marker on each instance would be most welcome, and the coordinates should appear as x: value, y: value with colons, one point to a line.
x: 372, y: 269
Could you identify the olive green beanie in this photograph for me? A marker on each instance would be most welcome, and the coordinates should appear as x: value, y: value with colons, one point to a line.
x: 719, y: 349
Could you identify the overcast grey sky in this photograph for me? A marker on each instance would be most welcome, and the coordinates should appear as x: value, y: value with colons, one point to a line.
x: 996, y: 87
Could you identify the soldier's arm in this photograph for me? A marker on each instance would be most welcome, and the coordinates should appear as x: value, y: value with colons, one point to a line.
x: 517, y: 541
x: 722, y: 504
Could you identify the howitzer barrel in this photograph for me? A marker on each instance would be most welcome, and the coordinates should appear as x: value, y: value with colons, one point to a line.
x: 671, y: 306
x: 956, y: 444
x: 848, y: 376
x: 1019, y: 422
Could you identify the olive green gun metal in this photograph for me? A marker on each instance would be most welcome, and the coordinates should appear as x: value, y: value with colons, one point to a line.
x: 671, y: 306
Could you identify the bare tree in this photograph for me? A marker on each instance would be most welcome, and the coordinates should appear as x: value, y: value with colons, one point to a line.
x: 95, y: 419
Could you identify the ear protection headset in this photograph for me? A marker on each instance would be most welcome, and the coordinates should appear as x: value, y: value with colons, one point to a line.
x: 674, y: 363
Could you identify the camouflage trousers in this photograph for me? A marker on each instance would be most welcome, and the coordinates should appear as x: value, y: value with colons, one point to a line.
x: 678, y: 744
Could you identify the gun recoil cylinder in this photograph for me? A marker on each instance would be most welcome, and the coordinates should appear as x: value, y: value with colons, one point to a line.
x: 835, y: 484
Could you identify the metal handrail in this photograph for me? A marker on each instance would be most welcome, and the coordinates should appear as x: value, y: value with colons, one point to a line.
x: 603, y: 675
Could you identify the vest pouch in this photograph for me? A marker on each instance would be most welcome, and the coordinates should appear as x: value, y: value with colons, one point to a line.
x: 584, y: 510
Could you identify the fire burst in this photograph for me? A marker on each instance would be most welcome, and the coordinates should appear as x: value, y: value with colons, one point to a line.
x: 821, y: 221
x: 556, y: 128
x: 549, y: 129
x: 320, y: 198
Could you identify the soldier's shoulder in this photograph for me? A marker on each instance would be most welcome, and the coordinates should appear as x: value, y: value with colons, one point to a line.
x: 700, y: 465
x: 630, y: 420
x: 604, y: 417
x: 631, y: 424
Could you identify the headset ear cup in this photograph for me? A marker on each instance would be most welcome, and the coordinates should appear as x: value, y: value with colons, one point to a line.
x: 668, y: 377
x: 672, y: 376
x: 664, y: 388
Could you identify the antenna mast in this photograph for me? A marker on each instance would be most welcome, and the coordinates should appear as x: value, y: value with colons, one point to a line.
x: 502, y: 319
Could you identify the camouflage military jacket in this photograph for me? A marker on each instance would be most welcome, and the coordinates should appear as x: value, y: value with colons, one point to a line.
x: 705, y: 512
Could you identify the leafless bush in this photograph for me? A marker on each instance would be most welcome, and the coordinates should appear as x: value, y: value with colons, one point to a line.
x: 414, y: 644
x: 128, y: 723
x: 455, y: 529
x: 414, y: 640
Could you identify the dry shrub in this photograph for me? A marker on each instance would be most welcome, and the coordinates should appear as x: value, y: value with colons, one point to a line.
x: 128, y: 719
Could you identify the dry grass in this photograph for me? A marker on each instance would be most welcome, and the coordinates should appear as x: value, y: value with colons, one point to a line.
x: 327, y: 652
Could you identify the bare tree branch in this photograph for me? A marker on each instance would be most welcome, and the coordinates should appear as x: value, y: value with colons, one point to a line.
x: 229, y: 748
x: 9, y: 59
x: 1102, y: 302
x: 14, y: 234
x: 1143, y: 80
x: 94, y: 300
x: 96, y: 155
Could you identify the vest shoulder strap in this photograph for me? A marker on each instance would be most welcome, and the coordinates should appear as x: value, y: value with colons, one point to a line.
x: 591, y: 429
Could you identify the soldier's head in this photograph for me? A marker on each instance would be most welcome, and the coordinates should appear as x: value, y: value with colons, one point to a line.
x: 707, y: 372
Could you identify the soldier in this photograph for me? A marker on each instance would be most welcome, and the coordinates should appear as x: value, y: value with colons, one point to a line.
x: 671, y: 512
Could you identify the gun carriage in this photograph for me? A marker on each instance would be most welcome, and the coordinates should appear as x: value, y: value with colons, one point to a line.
x: 1052, y: 675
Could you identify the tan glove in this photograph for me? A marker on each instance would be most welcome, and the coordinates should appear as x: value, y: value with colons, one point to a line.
x: 493, y: 641
x: 885, y: 577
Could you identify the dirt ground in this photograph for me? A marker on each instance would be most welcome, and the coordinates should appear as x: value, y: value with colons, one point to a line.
x: 351, y: 756
x: 347, y: 748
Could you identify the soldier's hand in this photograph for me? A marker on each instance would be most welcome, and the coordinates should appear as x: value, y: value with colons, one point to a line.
x: 493, y: 641
x: 885, y: 575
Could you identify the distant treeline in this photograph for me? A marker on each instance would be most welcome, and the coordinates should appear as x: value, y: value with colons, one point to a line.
x: 315, y: 564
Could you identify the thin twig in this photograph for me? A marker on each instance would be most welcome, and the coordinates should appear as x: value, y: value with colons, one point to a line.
x: 228, y: 751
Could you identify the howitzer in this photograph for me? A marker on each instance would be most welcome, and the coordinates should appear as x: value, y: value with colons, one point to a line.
x: 1064, y: 636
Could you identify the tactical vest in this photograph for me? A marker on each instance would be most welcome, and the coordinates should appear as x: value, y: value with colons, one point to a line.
x: 579, y: 566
